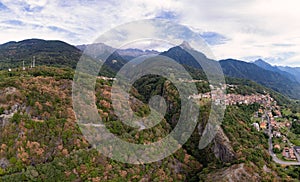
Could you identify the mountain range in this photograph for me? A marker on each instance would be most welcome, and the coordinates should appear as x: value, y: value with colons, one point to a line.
x: 293, y: 73
x: 40, y: 137
x: 285, y: 80
x: 277, y: 80
x: 271, y: 79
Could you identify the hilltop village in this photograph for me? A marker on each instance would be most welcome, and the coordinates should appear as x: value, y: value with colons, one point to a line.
x: 283, y: 143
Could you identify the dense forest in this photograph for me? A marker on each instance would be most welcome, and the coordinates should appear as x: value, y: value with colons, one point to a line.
x: 42, y: 141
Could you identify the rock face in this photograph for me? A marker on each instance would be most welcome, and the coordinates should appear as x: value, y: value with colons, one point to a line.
x: 222, y: 148
x: 8, y: 90
x: 11, y: 106
x: 4, y: 163
x: 4, y: 118
x: 237, y: 172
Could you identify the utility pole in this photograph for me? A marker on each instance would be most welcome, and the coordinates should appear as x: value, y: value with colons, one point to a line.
x: 33, y: 62
x: 23, y: 66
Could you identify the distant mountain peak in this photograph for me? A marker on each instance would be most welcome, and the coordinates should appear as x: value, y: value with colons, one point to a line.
x: 260, y: 61
x: 265, y: 65
x: 185, y: 45
x: 268, y: 66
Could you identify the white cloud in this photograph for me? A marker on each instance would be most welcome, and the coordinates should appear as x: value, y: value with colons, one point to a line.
x: 86, y: 18
x: 253, y: 28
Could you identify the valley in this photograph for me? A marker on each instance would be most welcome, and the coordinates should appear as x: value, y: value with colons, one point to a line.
x: 40, y: 138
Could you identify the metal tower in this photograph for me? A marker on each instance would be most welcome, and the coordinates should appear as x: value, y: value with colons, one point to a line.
x: 23, y: 66
x: 33, y: 62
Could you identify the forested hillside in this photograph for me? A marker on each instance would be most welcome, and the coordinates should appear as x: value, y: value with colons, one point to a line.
x: 40, y: 140
x: 51, y: 53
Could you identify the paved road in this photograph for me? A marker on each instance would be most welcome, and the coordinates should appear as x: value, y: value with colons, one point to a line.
x: 297, y: 155
x: 275, y: 158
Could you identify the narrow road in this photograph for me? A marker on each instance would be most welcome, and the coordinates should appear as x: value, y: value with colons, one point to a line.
x: 275, y: 158
x: 296, y: 154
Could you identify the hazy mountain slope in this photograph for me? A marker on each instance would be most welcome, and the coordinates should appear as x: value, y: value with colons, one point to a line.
x: 273, y: 80
x: 239, y: 69
x: 130, y: 53
x: 181, y: 56
x: 294, y: 71
x: 126, y: 54
x: 57, y: 53
x: 269, y: 67
x: 266, y: 65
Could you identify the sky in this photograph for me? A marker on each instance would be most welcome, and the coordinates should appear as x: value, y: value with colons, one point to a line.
x: 245, y: 30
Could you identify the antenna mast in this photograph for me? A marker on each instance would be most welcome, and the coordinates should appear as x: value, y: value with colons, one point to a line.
x: 23, y: 66
x: 33, y: 62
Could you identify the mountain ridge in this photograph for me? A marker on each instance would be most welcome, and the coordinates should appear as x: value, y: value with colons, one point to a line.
x: 271, y: 79
x: 59, y: 53
x: 46, y: 52
x: 263, y: 64
x: 292, y: 70
x: 43, y: 141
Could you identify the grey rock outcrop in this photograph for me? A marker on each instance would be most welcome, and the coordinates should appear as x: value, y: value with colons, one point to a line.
x: 4, y: 163
x: 8, y: 114
x: 222, y: 147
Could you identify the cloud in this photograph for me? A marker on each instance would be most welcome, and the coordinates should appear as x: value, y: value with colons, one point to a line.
x: 252, y: 27
x: 232, y: 28
x: 279, y: 58
x: 213, y: 38
x: 13, y: 22
x: 86, y: 18
x: 2, y: 7
x: 170, y: 15
x: 33, y: 9
x: 283, y: 45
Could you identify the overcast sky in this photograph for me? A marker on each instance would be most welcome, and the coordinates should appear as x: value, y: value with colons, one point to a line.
x: 244, y: 29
